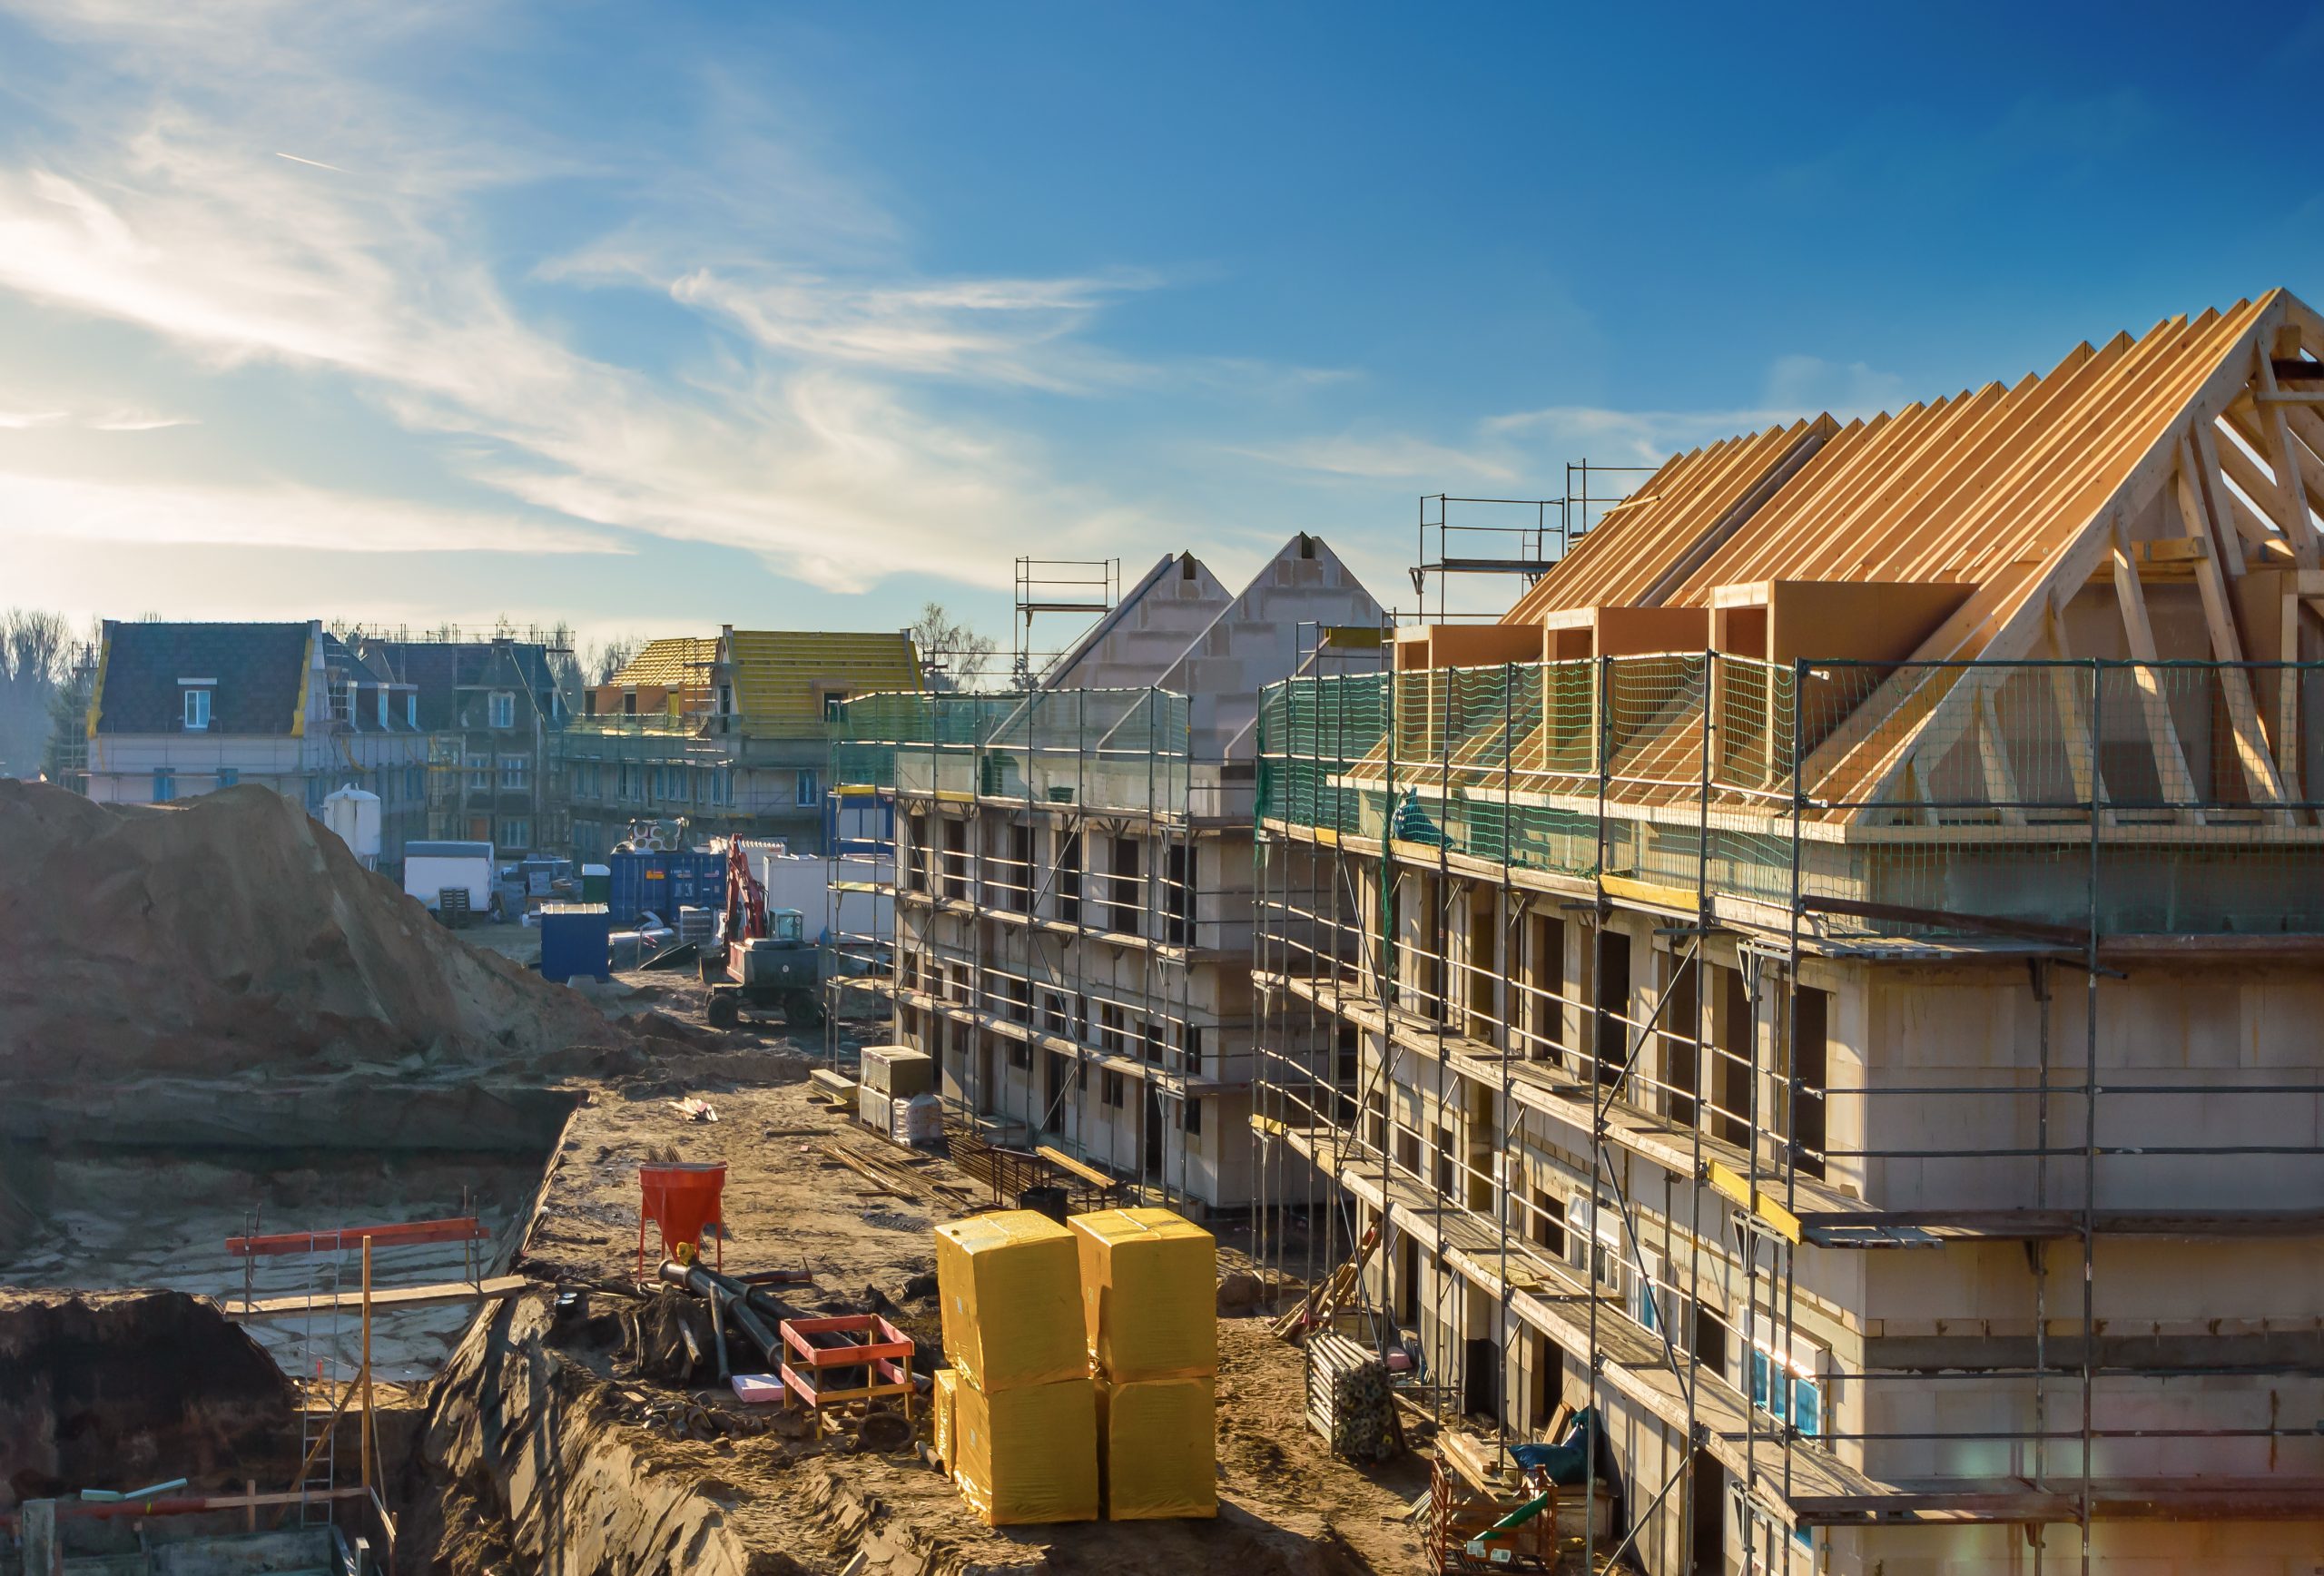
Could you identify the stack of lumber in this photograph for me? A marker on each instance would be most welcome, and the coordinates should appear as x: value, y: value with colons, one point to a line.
x: 897, y: 1179
x: 1349, y: 1400
x: 1149, y: 1299
x: 1325, y: 1302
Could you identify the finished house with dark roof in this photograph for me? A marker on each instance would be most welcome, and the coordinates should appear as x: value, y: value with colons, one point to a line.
x: 184, y: 709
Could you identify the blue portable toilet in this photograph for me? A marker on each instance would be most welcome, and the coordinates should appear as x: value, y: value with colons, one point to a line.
x: 576, y: 938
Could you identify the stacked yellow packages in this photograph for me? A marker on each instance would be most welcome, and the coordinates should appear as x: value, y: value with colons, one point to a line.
x: 948, y: 1381
x: 1149, y: 1317
x: 1024, y: 1420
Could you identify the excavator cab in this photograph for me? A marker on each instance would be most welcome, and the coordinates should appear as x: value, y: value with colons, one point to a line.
x: 786, y: 927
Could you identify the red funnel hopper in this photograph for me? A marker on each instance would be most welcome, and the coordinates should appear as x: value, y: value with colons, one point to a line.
x: 681, y: 1200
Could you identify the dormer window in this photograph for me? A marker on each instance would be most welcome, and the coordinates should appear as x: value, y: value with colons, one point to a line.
x: 197, y: 710
x: 504, y: 709
x: 383, y: 706
x: 411, y: 707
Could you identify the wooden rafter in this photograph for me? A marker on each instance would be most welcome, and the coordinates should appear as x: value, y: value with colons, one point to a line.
x: 2244, y: 525
x: 2282, y: 452
x: 1992, y: 754
x: 2154, y: 706
x: 2004, y: 620
x: 2227, y: 646
x: 2074, y: 731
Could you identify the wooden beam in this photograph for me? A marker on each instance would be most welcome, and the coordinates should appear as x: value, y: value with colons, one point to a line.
x: 2227, y: 646
x: 2283, y: 459
x: 1992, y: 754
x: 2221, y: 501
x: 2154, y: 706
x: 2074, y: 732
x: 2288, y: 698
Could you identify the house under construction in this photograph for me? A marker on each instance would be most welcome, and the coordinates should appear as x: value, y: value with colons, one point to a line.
x: 1836, y: 973
x: 1071, y: 870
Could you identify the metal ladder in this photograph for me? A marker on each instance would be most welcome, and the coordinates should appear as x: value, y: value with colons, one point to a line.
x: 318, y: 1368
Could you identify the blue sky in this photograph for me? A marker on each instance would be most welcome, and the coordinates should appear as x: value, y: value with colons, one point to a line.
x: 653, y: 319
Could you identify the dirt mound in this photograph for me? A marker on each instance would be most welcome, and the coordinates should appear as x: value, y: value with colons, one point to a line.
x: 236, y: 933
x: 116, y: 1390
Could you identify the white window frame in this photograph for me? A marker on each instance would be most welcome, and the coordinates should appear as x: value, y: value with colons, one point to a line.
x: 515, y: 773
x: 411, y: 707
x: 197, y: 708
x: 504, y: 709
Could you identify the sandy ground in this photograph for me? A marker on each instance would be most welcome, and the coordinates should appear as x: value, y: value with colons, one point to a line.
x: 1284, y: 1502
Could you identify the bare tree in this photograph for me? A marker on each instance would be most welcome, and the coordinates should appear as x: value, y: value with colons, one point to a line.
x: 35, y: 656
x: 953, y: 655
x: 610, y: 655
x: 564, y: 662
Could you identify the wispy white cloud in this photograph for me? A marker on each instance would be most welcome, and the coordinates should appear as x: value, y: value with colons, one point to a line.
x: 136, y: 420
x: 278, y: 515
x: 1392, y: 457
x: 1531, y: 447
x: 808, y: 442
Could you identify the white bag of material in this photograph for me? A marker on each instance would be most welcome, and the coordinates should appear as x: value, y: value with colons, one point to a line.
x: 918, y: 1122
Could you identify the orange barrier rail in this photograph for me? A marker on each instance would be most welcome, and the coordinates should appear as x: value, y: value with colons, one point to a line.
x: 404, y: 1234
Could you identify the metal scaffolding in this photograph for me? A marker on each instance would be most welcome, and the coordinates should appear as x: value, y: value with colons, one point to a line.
x: 1456, y: 866
x: 1036, y: 832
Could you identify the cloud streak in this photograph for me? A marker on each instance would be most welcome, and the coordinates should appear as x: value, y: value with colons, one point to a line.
x: 273, y: 517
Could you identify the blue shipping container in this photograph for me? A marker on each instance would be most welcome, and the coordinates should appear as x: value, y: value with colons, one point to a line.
x: 574, y: 941
x: 663, y: 883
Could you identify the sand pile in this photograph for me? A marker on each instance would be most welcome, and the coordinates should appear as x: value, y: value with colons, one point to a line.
x: 234, y: 934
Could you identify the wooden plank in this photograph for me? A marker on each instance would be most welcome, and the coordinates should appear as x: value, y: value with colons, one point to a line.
x: 1653, y: 894
x: 438, y: 1294
x: 1068, y: 1164
x: 2154, y: 706
x: 1758, y: 1201
x: 2227, y: 646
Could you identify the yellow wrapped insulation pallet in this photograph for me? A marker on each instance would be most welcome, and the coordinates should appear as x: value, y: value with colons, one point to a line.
x: 948, y: 1381
x: 1011, y: 1288
x: 1158, y: 1446
x: 1028, y: 1454
x: 1150, y: 1295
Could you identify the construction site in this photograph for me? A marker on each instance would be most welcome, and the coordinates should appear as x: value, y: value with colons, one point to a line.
x: 1782, y: 1043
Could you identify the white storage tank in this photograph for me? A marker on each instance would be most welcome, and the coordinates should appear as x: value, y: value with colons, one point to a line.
x: 354, y: 815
